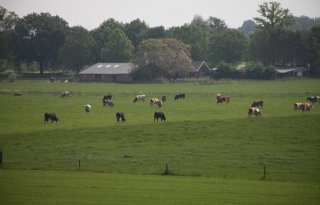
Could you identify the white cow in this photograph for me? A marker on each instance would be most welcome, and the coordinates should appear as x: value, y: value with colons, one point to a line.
x: 139, y: 98
x: 87, y: 108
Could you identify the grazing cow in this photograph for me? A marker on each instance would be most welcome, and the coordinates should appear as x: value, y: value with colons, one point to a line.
x: 257, y: 103
x: 220, y: 98
x: 253, y: 111
x: 156, y: 101
x: 297, y: 106
x: 179, y: 95
x: 120, y: 117
x: 139, y: 98
x: 163, y: 98
x: 65, y: 94
x: 158, y: 115
x: 313, y: 99
x: 87, y: 108
x: 50, y: 116
x: 109, y: 103
x: 306, y: 107
x: 106, y: 97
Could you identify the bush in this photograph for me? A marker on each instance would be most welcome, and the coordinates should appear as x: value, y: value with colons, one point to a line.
x: 225, y: 70
x: 12, y: 77
x: 257, y: 70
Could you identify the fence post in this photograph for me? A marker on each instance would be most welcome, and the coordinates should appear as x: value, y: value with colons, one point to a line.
x: 0, y: 158
x: 264, y: 173
x: 79, y: 164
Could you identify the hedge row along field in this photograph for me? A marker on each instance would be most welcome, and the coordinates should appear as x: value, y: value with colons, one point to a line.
x: 211, y: 150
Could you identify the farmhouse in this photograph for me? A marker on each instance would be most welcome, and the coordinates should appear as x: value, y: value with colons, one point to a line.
x: 108, y: 72
x: 287, y: 72
x: 201, y: 68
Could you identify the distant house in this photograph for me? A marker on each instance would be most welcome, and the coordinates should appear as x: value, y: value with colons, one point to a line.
x: 201, y: 68
x: 287, y: 72
x: 108, y: 72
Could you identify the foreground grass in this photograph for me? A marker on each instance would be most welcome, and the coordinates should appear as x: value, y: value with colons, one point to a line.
x: 60, y: 187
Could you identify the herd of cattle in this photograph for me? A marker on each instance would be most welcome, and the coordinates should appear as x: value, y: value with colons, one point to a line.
x: 254, y: 109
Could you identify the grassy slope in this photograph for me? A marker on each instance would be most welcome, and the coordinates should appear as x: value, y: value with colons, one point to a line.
x: 199, y: 139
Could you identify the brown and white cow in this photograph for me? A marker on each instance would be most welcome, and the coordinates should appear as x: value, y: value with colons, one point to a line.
x: 257, y: 103
x: 65, y: 94
x: 297, y: 106
x: 109, y: 103
x: 306, y: 107
x: 220, y: 98
x: 302, y: 107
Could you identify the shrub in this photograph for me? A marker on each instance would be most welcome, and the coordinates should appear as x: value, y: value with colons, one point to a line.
x: 225, y: 70
x: 256, y: 70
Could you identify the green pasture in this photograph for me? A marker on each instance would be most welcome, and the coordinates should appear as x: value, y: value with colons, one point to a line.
x: 214, y: 152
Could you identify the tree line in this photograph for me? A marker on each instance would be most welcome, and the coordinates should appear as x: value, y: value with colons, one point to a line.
x: 43, y: 41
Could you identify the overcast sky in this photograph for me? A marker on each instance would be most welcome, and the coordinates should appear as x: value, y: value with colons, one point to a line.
x: 91, y: 13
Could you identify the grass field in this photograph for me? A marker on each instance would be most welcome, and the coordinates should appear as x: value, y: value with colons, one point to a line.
x: 215, y: 154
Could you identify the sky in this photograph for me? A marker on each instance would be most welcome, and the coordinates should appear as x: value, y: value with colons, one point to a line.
x: 91, y: 13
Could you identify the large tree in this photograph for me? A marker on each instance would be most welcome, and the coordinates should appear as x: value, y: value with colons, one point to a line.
x: 228, y: 46
x: 270, y: 40
x: 216, y: 24
x: 118, y: 48
x: 8, y: 20
x: 163, y: 57
x: 315, y: 62
x: 273, y: 17
x: 39, y: 38
x: 102, y: 37
x: 77, y: 49
x: 136, y: 31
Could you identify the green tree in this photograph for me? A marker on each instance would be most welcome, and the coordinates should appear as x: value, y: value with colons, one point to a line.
x: 216, y: 24
x: 156, y: 32
x: 77, y: 49
x: 136, y: 31
x: 228, y: 46
x: 315, y: 58
x: 102, y: 37
x: 8, y: 20
x: 118, y: 48
x: 39, y: 37
x: 195, y: 35
x: 272, y: 44
x: 273, y: 17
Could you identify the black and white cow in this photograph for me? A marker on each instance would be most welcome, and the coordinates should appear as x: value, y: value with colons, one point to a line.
x: 50, y: 116
x: 156, y: 101
x: 253, y: 111
x: 179, y: 95
x: 313, y: 99
x: 159, y: 115
x: 120, y: 117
